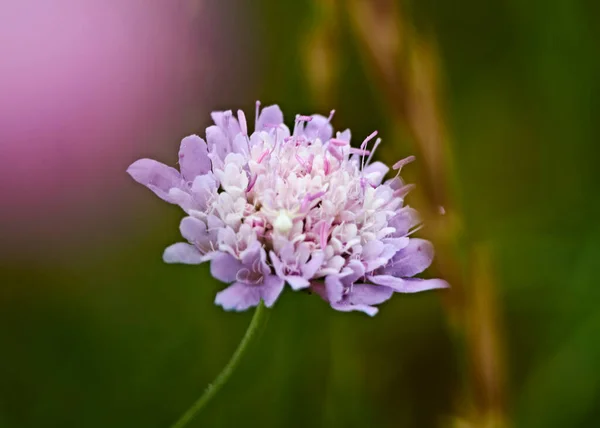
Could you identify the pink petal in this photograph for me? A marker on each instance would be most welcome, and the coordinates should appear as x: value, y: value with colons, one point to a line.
x: 238, y: 297
x: 193, y: 157
x: 182, y: 252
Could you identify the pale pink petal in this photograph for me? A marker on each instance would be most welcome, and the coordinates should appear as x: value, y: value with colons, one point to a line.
x: 158, y: 177
x: 182, y: 252
x: 271, y: 289
x: 225, y: 267
x: 238, y: 297
x: 408, y: 285
x: 297, y: 282
x: 193, y: 157
x: 411, y: 260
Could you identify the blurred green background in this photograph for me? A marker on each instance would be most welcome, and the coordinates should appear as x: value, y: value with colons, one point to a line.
x: 499, y: 100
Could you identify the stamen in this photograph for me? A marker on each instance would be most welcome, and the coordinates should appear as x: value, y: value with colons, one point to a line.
x: 243, y: 124
x: 369, y: 138
x: 252, y: 182
x: 302, y: 118
x: 309, y: 163
x: 398, y: 165
x: 301, y: 161
x: 331, y: 113
x: 337, y: 142
x: 335, y: 152
x: 326, y: 165
x: 263, y: 156
x: 359, y: 152
x: 377, y: 143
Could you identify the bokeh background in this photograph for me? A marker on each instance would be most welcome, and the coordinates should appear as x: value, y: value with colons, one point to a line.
x: 498, y: 100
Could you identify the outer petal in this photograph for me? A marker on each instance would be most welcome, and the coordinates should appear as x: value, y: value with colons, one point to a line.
x: 408, y: 285
x: 193, y: 157
x: 238, y: 297
x: 271, y: 289
x: 268, y: 117
x: 192, y: 229
x: 334, y: 289
x: 309, y: 269
x: 225, y: 267
x: 297, y: 282
x: 411, y: 260
x: 182, y: 252
x: 344, y: 307
x: 367, y: 294
x: 158, y: 177
x: 218, y: 142
x: 406, y: 219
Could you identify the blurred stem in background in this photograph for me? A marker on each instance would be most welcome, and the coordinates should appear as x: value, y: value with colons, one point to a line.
x: 405, y: 67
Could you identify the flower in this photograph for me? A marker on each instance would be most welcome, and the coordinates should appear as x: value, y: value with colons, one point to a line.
x: 300, y: 207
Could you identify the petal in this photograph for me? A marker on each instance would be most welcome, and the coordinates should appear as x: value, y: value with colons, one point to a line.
x: 193, y: 157
x: 404, y: 220
x: 344, y: 307
x: 157, y: 176
x: 376, y: 171
x: 334, y: 289
x: 238, y: 297
x: 225, y: 267
x: 318, y: 127
x: 192, y: 229
x: 271, y: 289
x: 367, y: 294
x: 353, y: 271
x: 309, y: 269
x: 297, y: 282
x: 411, y: 260
x: 182, y: 252
x: 408, y: 285
x: 218, y: 142
x: 277, y: 265
x: 269, y: 116
x: 344, y: 136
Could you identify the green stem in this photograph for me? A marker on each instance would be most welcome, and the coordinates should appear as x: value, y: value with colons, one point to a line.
x: 212, y: 389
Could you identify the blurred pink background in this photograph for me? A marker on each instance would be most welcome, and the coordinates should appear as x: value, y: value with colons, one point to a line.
x: 88, y: 86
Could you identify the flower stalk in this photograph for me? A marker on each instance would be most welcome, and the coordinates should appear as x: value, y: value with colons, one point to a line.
x: 258, y: 319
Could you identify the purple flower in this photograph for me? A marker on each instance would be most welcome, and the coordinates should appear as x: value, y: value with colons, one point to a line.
x: 299, y: 206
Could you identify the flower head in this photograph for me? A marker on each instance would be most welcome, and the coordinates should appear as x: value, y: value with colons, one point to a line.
x: 301, y: 207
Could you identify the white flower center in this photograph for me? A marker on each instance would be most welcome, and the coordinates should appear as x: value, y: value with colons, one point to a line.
x: 283, y: 222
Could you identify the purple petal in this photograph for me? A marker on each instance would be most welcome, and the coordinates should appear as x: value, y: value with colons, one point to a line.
x: 203, y: 188
x: 225, y: 267
x: 408, y: 285
x: 218, y: 142
x: 344, y: 136
x: 158, y: 177
x: 406, y: 219
x: 352, y: 272
x: 318, y: 127
x: 271, y: 289
x: 193, y: 157
x: 367, y: 294
x: 182, y: 252
x: 376, y: 168
x: 309, y: 269
x: 372, y: 249
x: 344, y: 307
x: 269, y: 116
x: 334, y: 289
x: 192, y: 229
x: 411, y: 260
x: 297, y: 282
x: 277, y: 265
x: 238, y: 297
